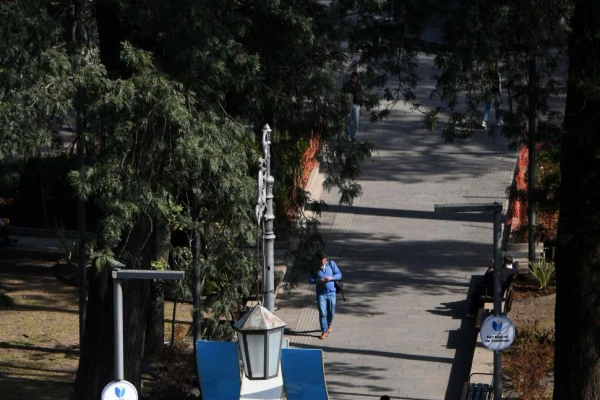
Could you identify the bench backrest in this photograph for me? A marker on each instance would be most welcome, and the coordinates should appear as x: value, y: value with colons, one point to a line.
x: 219, y: 370
x: 478, y: 391
x: 303, y: 374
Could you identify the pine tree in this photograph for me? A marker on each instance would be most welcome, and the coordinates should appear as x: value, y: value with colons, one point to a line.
x: 168, y: 88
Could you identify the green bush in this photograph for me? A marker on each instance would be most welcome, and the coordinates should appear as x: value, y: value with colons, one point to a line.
x: 543, y: 271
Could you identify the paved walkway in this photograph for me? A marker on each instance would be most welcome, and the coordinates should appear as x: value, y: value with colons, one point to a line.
x: 407, y: 270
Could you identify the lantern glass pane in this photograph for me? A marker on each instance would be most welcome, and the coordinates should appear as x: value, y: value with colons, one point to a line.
x: 242, y: 348
x: 256, y: 351
x: 274, y: 350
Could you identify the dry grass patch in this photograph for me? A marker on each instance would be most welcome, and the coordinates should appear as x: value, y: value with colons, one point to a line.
x: 39, y: 334
x: 529, y: 362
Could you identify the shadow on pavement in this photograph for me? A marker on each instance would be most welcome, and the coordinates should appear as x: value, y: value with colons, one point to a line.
x: 389, y: 354
x: 311, y: 333
x: 413, y: 214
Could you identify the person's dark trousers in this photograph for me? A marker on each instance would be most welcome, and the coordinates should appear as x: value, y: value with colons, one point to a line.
x: 4, y: 234
x: 478, y: 293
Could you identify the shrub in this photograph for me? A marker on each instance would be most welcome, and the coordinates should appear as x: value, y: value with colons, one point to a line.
x: 543, y: 271
x: 529, y: 361
x: 176, y: 377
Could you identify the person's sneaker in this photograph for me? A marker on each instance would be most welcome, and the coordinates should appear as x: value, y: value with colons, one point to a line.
x: 483, y: 124
x: 330, y: 329
x: 323, y: 335
x: 500, y: 122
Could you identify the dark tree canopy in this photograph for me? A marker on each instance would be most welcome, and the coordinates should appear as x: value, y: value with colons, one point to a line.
x: 168, y: 91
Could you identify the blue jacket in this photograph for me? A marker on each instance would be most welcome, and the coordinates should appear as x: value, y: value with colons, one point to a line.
x: 331, y: 269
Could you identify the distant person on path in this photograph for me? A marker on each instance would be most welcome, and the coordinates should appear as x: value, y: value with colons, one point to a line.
x: 323, y: 279
x: 4, y: 233
x: 353, y: 98
x: 507, y: 273
x: 495, y: 81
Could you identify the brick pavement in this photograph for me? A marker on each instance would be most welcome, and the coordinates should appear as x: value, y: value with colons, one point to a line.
x: 406, y: 269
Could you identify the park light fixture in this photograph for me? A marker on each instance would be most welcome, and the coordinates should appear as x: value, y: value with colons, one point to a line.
x: 260, y: 337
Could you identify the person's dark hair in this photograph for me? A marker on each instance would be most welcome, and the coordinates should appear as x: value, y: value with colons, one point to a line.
x: 320, y: 255
x: 352, y: 75
x: 386, y: 397
x: 508, y: 259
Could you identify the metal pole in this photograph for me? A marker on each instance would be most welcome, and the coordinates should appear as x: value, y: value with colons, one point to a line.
x: 118, y: 311
x: 532, y: 160
x: 265, y: 203
x: 269, y: 236
x: 497, y: 301
x: 80, y: 202
x: 196, y: 292
x: 497, y: 263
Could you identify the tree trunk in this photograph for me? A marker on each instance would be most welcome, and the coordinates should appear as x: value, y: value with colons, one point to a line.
x: 531, y: 141
x: 96, y: 363
x: 96, y: 360
x: 155, y: 336
x: 577, y: 362
x: 143, y: 307
x: 173, y: 319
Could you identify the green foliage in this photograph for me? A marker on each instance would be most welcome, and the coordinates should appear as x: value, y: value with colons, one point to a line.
x: 159, y: 158
x: 36, y: 88
x: 479, y: 35
x: 164, y: 113
x: 347, y: 156
x: 543, y: 271
x: 548, y: 178
x: 430, y: 120
x: 385, y: 36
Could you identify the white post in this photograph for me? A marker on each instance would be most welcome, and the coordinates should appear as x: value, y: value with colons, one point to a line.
x: 118, y: 318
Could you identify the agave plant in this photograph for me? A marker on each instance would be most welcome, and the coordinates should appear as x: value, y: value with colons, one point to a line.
x: 543, y: 271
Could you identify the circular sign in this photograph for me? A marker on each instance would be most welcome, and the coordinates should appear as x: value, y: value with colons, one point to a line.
x: 121, y: 390
x: 497, y: 332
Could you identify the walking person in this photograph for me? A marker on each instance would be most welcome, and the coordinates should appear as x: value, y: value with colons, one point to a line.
x: 495, y: 80
x: 323, y: 279
x: 353, y: 92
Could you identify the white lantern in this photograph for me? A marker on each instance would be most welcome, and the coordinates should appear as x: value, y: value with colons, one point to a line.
x: 260, y: 335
